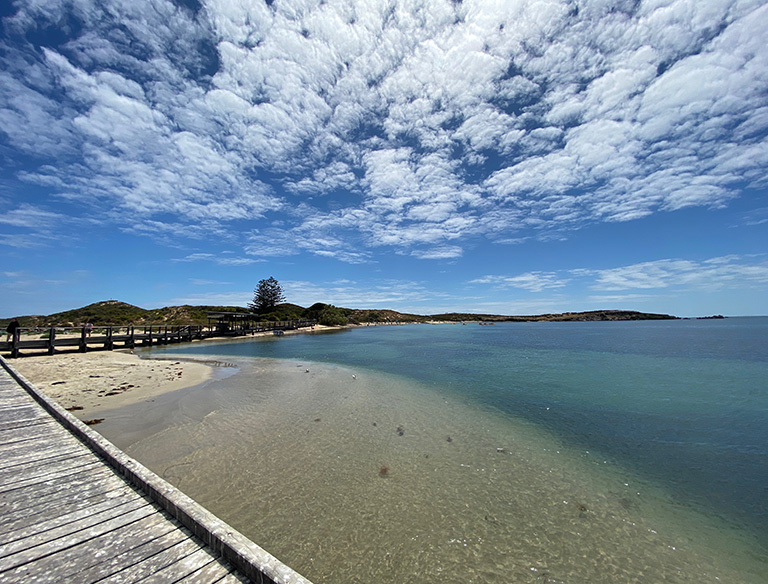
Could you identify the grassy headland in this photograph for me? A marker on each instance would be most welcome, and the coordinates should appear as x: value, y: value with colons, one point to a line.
x: 113, y: 312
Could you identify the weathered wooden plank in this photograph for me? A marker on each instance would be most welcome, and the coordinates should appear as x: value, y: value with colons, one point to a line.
x: 27, y: 454
x: 197, y: 560
x: 92, y: 510
x: 93, y: 560
x: 25, y: 412
x: 233, y: 578
x: 43, y: 510
x: 61, y: 487
x: 31, y: 537
x: 13, y: 436
x: 211, y: 574
x: 47, y: 436
x: 20, y: 422
x: 48, y: 548
x: 13, y: 400
x: 83, y: 463
x: 141, y: 540
x: 6, y: 425
x: 151, y: 565
x: 43, y: 471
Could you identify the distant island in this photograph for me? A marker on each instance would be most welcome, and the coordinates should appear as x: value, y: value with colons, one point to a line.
x: 113, y: 312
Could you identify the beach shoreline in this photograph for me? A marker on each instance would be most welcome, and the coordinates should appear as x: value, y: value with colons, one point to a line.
x: 88, y: 383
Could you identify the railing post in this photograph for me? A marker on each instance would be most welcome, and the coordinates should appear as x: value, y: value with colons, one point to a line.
x: 52, y: 341
x: 83, y: 345
x: 15, y: 338
x: 108, y: 342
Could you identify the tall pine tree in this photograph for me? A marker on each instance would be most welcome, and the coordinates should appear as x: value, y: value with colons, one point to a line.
x: 267, y: 295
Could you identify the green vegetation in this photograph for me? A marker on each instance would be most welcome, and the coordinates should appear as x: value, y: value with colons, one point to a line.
x: 267, y: 296
x: 332, y: 316
x: 112, y: 312
x: 593, y: 315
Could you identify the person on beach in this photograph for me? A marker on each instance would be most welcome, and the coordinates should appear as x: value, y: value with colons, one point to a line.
x: 11, y: 330
x: 88, y: 329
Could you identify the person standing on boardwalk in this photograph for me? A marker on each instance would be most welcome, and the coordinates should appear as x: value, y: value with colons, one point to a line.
x: 11, y: 330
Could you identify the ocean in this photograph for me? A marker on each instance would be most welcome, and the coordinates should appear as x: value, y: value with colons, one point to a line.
x: 515, y: 452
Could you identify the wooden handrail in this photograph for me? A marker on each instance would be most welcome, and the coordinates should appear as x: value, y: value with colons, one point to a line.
x: 108, y: 337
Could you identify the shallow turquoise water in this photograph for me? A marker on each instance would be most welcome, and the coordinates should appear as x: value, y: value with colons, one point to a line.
x: 686, y: 402
x: 682, y: 405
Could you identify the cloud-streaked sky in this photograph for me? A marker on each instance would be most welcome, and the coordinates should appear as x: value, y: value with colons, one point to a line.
x: 508, y: 156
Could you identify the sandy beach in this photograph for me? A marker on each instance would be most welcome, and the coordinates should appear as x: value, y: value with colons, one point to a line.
x: 87, y: 383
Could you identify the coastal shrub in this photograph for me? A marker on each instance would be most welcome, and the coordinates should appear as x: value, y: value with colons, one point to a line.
x: 332, y: 316
x: 314, y: 311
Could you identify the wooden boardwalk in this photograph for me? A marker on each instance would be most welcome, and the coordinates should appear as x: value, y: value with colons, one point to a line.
x: 71, y: 509
x: 57, y: 339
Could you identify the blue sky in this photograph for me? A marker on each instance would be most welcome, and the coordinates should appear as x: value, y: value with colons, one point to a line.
x: 511, y: 157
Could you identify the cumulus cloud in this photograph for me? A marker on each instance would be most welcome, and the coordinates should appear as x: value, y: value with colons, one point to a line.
x: 726, y: 272
x: 415, y: 124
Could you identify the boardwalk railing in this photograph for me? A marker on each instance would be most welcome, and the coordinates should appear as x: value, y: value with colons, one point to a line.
x: 86, y: 338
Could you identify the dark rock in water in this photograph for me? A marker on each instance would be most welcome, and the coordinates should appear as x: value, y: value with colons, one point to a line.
x: 383, y: 472
x: 317, y: 419
x: 400, y: 431
x: 449, y: 439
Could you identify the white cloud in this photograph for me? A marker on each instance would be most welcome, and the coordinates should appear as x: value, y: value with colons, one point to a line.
x: 222, y: 260
x: 352, y: 294
x: 209, y: 299
x: 392, y: 124
x: 439, y: 253
x: 31, y: 217
x: 711, y: 274
x: 643, y: 281
x: 531, y: 281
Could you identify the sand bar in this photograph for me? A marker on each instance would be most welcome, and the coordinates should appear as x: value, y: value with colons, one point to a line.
x: 87, y: 383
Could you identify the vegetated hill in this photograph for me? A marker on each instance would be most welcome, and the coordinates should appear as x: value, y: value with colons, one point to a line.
x: 359, y: 316
x: 113, y: 312
x: 592, y: 315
